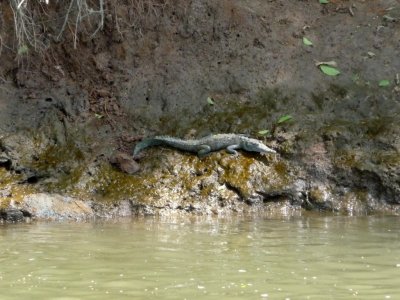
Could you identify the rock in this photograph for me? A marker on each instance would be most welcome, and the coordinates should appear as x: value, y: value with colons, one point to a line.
x: 5, y: 162
x: 56, y: 207
x: 12, y: 215
x: 20, y: 150
x: 125, y: 163
x: 122, y: 209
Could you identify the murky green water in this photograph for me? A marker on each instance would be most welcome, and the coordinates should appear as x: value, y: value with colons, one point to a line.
x: 300, y: 258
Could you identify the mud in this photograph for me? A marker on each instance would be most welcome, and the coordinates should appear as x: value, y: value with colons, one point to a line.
x: 69, y: 118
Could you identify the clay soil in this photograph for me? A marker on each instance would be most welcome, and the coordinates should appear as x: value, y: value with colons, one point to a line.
x: 85, y: 100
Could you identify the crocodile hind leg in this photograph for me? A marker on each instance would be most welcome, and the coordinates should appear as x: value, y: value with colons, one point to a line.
x: 232, y: 149
x: 204, y: 150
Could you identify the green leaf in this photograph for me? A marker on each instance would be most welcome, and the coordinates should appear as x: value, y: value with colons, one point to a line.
x: 389, y: 18
x: 323, y: 1
x: 98, y: 116
x: 210, y: 101
x: 284, y: 118
x: 23, y: 49
x: 328, y: 70
x: 263, y: 132
x: 384, y: 83
x: 307, y: 42
x: 355, y: 77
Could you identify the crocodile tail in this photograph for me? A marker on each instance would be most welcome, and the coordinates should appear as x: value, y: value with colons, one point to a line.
x: 150, y: 142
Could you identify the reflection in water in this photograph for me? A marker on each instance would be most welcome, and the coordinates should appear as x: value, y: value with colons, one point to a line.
x: 299, y: 258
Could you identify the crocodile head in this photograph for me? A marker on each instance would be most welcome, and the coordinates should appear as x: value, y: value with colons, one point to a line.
x: 256, y: 146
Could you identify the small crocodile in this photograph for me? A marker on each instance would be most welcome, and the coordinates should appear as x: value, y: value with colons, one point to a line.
x: 229, y: 141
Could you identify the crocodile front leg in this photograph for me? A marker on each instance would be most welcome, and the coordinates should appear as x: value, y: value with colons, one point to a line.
x: 204, y: 150
x: 232, y: 149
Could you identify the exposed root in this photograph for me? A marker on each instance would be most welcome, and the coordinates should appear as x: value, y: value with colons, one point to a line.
x: 27, y: 31
x: 85, y: 17
x: 79, y: 11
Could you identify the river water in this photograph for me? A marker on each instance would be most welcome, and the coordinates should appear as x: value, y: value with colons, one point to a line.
x: 314, y: 257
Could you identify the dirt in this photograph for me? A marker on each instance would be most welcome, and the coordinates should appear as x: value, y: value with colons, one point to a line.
x: 68, y: 111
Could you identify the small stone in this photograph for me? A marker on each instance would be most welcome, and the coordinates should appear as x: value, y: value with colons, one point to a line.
x: 12, y: 215
x: 125, y: 163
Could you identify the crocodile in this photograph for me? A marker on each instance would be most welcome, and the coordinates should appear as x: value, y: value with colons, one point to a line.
x: 203, y: 146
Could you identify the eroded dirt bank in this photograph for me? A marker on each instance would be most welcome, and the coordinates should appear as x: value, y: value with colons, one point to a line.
x: 70, y: 118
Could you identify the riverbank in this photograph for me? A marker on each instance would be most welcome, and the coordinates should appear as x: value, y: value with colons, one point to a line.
x: 70, y: 119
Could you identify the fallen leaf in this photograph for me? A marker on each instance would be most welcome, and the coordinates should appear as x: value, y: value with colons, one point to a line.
x: 307, y: 42
x: 328, y: 70
x: 356, y: 78
x: 284, y: 118
x: 263, y: 132
x: 210, y: 101
x: 389, y: 18
x: 384, y: 83
x: 331, y: 63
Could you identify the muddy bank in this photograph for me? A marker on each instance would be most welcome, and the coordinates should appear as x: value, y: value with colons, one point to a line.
x: 68, y: 124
